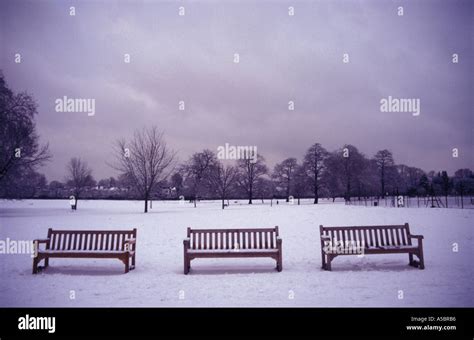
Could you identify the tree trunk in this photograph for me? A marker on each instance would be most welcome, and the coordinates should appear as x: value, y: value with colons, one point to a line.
x: 315, y: 189
x: 146, y: 204
x: 222, y: 203
x: 382, y: 181
x: 348, y: 190
x: 250, y: 194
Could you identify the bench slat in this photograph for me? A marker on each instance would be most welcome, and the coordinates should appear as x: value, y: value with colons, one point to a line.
x: 402, y: 231
x: 104, y: 241
x: 407, y: 231
x: 377, y: 242
x: 63, y: 240
x: 397, y: 236
x: 219, y: 239
x: 97, y: 241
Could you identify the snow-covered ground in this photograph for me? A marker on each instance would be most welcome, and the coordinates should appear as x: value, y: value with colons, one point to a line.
x: 158, y: 280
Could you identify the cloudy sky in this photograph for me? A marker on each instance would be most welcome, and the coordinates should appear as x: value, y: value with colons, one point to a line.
x: 282, y: 58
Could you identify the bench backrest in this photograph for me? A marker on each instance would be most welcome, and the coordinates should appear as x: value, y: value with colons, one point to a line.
x: 89, y: 240
x: 369, y: 236
x: 221, y: 239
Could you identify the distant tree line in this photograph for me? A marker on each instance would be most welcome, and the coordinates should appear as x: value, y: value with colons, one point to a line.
x: 148, y: 170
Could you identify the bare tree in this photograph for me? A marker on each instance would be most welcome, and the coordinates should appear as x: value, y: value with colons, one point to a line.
x: 265, y: 188
x: 197, y: 171
x: 314, y: 163
x: 384, y: 160
x: 300, y: 179
x: 222, y: 179
x: 283, y: 175
x: 20, y: 152
x: 249, y: 172
x: 348, y: 164
x: 145, y: 161
x: 177, y: 183
x: 463, y: 183
x: 78, y: 177
x: 445, y: 183
x: 332, y: 176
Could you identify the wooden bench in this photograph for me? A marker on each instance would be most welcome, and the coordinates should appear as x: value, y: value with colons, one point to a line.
x: 387, y: 239
x: 120, y: 244
x: 228, y: 243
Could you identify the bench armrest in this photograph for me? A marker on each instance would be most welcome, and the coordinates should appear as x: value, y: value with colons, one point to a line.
x: 43, y: 240
x: 37, y: 242
x: 419, y: 238
x: 186, y: 242
x: 279, y: 241
x: 130, y: 244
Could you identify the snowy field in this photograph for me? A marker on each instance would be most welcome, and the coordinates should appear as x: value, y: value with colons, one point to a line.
x: 158, y: 280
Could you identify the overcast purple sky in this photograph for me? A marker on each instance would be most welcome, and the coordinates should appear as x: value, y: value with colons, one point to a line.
x: 282, y: 58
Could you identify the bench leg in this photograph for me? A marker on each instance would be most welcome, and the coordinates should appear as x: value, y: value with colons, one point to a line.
x: 422, y: 260
x: 187, y: 264
x: 46, y: 262
x: 133, y: 262
x: 410, y: 259
x: 35, y: 265
x: 126, y: 261
x: 323, y: 260
x: 279, y: 264
x: 127, y: 267
x: 328, y: 264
